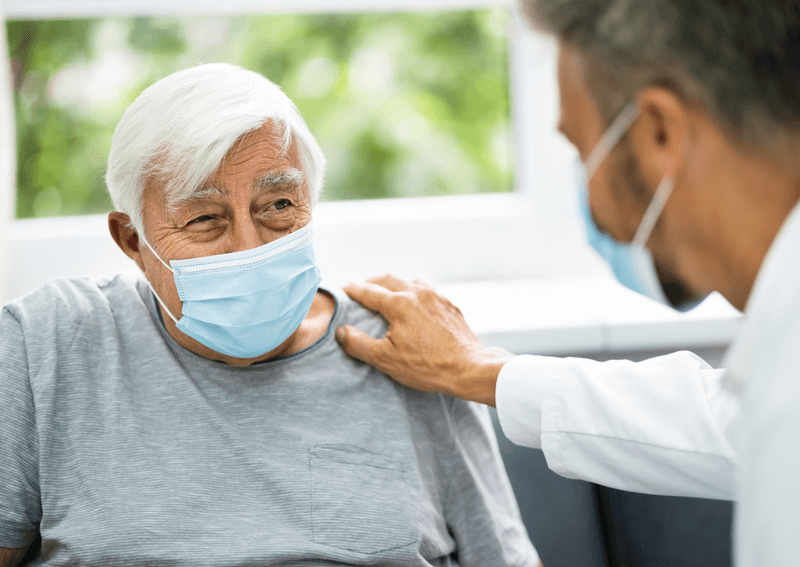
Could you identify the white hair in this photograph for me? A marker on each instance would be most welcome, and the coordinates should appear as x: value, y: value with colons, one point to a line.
x: 179, y: 130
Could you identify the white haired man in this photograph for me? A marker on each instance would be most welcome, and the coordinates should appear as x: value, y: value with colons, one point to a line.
x: 203, y: 414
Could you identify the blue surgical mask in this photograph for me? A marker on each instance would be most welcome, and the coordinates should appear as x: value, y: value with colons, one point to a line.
x: 245, y: 304
x: 631, y: 262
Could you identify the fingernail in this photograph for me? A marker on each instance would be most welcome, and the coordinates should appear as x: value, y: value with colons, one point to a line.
x: 340, y: 334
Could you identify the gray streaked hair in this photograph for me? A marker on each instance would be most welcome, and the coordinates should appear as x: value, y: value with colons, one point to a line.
x: 737, y: 59
x: 179, y: 130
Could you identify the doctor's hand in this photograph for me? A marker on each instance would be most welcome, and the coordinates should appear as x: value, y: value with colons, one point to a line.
x: 428, y: 345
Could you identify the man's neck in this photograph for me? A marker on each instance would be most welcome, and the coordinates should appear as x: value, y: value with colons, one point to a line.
x: 753, y: 231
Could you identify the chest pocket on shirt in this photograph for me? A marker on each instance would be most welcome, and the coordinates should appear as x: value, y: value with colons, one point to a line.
x: 359, y: 500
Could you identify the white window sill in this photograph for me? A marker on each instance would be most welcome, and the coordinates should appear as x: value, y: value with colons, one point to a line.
x: 521, y: 312
x: 586, y: 314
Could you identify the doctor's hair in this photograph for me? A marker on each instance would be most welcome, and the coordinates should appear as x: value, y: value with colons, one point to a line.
x: 737, y: 59
x: 179, y: 130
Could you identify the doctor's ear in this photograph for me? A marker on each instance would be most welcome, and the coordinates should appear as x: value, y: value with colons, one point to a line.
x: 126, y: 237
x: 659, y: 137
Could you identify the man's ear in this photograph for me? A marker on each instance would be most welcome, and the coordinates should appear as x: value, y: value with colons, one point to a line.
x: 660, y: 133
x: 126, y: 237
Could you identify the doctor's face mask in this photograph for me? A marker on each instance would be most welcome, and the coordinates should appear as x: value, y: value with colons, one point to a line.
x: 631, y: 262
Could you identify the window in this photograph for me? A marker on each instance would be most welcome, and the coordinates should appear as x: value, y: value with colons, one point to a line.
x: 513, y: 218
x: 403, y: 104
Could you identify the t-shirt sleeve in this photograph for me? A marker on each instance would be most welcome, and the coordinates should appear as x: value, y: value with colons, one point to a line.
x: 480, y: 508
x: 20, y: 503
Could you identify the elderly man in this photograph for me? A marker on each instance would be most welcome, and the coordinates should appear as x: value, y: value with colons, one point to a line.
x: 687, y: 115
x: 203, y: 414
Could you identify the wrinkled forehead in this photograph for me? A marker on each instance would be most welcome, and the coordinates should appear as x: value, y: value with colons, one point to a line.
x: 272, y: 137
x: 264, y: 158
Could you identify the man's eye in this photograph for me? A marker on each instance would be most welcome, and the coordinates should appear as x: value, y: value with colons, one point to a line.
x: 282, y: 204
x: 201, y: 218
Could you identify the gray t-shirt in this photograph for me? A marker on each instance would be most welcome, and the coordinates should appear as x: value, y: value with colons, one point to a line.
x: 121, y: 448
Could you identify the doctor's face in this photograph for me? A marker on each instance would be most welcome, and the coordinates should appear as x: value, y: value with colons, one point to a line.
x: 618, y: 192
x: 616, y: 195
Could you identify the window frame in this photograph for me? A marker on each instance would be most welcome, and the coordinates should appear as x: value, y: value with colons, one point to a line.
x: 529, y: 233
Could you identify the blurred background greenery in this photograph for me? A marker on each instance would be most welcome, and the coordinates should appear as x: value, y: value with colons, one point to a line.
x: 402, y: 104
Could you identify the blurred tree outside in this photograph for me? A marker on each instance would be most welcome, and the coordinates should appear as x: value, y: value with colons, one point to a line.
x: 403, y: 104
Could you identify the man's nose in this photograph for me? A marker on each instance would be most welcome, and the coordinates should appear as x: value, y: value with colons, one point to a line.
x: 246, y: 235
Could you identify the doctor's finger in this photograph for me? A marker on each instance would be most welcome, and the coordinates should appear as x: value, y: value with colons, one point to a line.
x: 360, y: 345
x: 375, y: 297
x: 423, y: 283
x: 392, y: 282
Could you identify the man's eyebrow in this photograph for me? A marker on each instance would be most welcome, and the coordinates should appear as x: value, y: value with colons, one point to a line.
x: 196, y: 195
x: 289, y: 176
x: 204, y: 192
x: 285, y: 177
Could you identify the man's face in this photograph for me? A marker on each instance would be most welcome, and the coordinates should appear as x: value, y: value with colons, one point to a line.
x: 615, y: 194
x: 256, y: 196
x: 619, y: 191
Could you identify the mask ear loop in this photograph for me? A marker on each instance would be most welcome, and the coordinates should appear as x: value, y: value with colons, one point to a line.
x: 656, y: 206
x: 167, y: 266
x: 171, y: 316
x: 654, y: 211
x: 611, y: 138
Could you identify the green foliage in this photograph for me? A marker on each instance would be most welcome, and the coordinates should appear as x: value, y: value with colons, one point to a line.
x: 402, y: 104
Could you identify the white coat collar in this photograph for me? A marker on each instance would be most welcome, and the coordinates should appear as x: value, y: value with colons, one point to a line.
x: 774, y: 303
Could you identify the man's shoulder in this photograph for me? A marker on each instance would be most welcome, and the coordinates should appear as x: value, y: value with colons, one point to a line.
x: 438, y: 406
x: 64, y: 299
x: 74, y: 330
x: 349, y: 312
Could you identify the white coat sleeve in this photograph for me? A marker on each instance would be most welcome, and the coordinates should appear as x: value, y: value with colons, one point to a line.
x: 654, y: 426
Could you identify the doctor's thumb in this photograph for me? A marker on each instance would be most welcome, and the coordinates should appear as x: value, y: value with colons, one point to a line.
x: 356, y: 343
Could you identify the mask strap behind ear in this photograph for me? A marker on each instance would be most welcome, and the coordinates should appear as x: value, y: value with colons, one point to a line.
x: 611, y: 138
x: 167, y: 266
x: 654, y: 210
x: 171, y: 316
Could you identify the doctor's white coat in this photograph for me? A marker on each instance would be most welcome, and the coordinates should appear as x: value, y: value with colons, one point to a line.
x: 673, y: 425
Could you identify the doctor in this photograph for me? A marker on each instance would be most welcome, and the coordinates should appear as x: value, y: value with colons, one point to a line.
x: 687, y: 116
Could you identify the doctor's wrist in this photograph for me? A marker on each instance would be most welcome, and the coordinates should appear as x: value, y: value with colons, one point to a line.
x: 478, y: 381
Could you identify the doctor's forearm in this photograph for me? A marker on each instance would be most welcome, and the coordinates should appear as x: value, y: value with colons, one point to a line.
x: 663, y: 418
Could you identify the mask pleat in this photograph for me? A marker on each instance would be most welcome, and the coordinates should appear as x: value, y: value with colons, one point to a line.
x: 244, y: 280
x: 250, y: 341
x: 257, y: 307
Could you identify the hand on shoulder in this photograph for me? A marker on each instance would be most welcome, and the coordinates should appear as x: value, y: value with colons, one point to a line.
x: 429, y: 346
